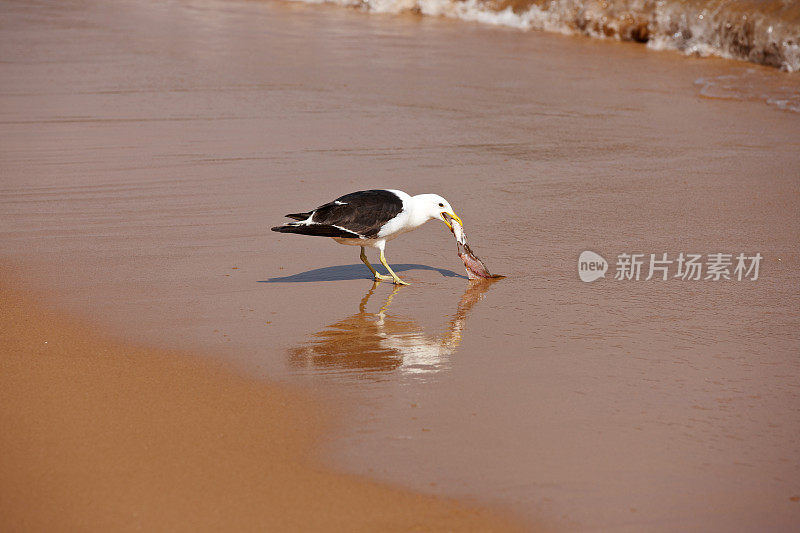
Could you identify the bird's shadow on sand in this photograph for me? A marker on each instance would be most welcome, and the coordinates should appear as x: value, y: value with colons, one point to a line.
x: 349, y: 272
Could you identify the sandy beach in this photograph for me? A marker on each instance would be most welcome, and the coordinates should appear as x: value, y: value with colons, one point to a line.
x: 148, y: 147
x: 103, y: 436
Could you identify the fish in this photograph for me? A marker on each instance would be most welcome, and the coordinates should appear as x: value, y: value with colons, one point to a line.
x: 474, y: 266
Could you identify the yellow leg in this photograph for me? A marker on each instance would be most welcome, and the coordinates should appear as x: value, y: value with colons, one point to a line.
x: 396, y: 279
x: 375, y: 273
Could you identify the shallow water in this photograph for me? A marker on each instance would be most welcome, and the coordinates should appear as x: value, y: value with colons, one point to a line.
x: 147, y: 149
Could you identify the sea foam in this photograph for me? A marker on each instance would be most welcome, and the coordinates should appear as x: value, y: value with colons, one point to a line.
x: 761, y: 31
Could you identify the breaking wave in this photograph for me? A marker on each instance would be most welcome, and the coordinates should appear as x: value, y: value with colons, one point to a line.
x: 761, y: 31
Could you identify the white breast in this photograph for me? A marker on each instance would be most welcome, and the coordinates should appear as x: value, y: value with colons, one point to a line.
x: 408, y: 219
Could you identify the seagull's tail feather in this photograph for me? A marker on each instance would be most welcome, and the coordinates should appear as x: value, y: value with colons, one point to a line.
x: 299, y: 216
x: 318, y: 230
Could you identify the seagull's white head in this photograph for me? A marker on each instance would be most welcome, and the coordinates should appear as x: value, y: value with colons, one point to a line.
x: 434, y: 206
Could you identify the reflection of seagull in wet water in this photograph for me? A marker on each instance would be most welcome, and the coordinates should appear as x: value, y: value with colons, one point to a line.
x: 381, y: 342
x: 371, y: 218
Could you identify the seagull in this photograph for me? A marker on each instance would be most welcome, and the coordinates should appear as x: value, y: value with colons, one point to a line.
x: 371, y: 218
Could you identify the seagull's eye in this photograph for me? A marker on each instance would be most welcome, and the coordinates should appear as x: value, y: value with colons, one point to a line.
x: 441, y: 204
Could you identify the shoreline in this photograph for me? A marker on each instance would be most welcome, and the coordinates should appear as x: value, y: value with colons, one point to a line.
x: 753, y: 32
x: 109, y: 435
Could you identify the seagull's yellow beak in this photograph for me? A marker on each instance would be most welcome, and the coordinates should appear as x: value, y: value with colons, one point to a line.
x: 450, y: 216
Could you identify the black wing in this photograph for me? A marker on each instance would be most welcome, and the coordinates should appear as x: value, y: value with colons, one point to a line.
x: 299, y: 216
x: 362, y: 212
x: 318, y: 230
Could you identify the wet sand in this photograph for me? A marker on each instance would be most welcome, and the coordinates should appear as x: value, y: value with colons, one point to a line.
x: 103, y: 436
x: 147, y: 149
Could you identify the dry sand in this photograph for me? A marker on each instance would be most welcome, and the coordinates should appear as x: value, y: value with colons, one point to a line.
x: 103, y: 436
